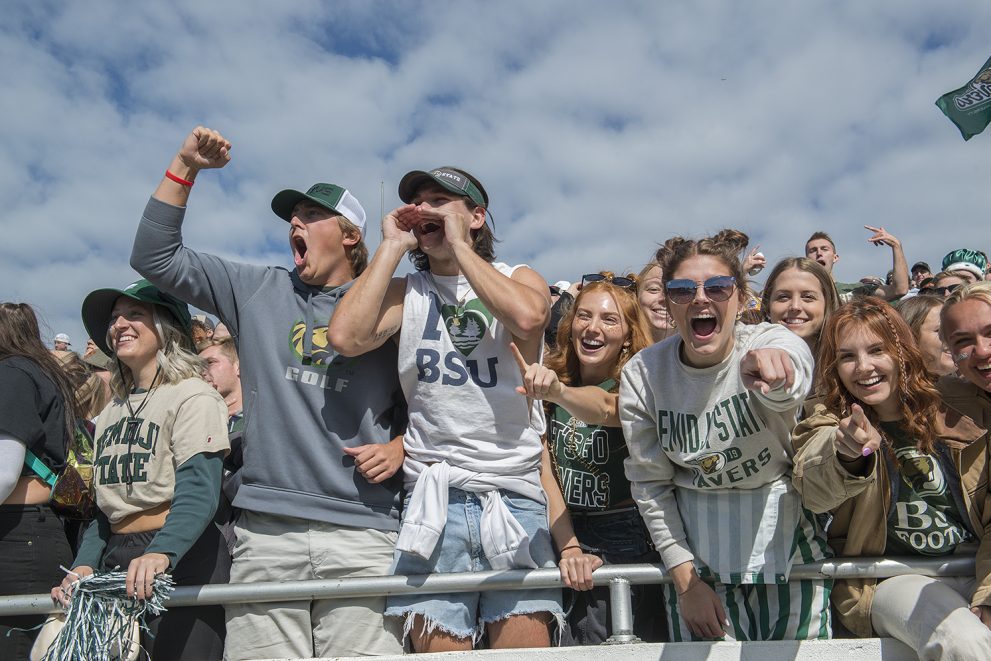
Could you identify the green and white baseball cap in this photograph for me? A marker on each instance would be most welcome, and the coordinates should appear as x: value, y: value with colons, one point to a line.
x: 329, y: 196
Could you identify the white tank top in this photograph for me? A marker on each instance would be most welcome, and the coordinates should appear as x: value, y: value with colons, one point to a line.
x: 460, y: 380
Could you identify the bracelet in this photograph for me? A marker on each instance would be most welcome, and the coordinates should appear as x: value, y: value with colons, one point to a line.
x: 571, y: 546
x: 177, y: 179
x: 688, y: 589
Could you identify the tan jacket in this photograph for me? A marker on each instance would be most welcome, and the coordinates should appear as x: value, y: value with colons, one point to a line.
x: 860, y: 505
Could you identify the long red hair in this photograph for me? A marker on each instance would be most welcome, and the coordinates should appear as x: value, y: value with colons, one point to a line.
x: 919, y: 402
x: 564, y: 359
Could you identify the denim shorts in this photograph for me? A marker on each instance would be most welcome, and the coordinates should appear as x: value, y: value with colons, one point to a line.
x: 618, y: 537
x: 464, y: 614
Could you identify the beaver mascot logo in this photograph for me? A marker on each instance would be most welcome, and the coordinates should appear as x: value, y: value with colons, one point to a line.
x: 712, y: 462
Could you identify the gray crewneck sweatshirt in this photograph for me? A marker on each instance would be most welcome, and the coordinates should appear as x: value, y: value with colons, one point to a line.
x: 303, y: 402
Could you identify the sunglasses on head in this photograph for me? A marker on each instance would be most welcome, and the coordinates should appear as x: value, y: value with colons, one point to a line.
x: 717, y: 289
x: 619, y: 281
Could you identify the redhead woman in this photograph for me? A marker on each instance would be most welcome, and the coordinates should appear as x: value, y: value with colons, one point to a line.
x: 160, y: 446
x: 594, y: 518
x: 707, y: 416
x: 901, y: 473
x: 37, y: 416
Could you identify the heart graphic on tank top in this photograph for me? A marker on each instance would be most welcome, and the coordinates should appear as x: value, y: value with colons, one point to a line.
x: 466, y: 324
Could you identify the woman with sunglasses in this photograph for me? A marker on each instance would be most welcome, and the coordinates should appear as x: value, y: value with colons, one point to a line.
x: 160, y: 446
x: 37, y: 416
x: 800, y: 295
x: 707, y: 416
x: 592, y: 513
x: 901, y: 473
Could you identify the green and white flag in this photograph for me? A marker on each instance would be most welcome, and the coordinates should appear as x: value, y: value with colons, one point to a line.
x: 970, y: 106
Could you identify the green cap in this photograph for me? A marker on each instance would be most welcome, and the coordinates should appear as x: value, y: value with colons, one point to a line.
x: 450, y: 178
x: 329, y: 196
x: 98, y: 305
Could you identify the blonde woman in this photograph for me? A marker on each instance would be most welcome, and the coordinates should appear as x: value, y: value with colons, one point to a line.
x: 160, y: 446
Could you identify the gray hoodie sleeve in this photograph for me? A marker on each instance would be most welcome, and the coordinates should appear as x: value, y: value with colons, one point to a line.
x: 211, y: 283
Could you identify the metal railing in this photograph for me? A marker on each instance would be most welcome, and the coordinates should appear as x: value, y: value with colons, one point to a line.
x: 618, y: 577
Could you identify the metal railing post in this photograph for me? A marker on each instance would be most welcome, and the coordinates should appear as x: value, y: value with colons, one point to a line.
x: 621, y: 611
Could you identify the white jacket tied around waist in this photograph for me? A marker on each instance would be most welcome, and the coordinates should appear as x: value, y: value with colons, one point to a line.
x: 504, y: 542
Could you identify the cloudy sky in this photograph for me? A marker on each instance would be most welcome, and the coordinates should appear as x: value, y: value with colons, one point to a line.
x: 599, y: 129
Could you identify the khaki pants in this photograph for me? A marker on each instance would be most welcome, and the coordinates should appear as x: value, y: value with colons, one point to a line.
x: 276, y: 548
x: 932, y: 616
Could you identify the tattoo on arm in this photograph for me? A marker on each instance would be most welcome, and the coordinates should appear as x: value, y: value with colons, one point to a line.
x: 386, y: 333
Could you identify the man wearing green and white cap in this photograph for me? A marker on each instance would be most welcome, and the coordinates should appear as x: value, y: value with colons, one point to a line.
x: 322, y: 433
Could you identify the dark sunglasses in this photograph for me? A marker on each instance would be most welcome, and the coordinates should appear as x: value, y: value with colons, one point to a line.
x: 619, y: 281
x: 717, y: 289
x: 949, y: 289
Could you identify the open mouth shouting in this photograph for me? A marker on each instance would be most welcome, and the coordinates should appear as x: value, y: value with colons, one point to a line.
x: 298, y: 244
x: 704, y: 325
x: 428, y: 227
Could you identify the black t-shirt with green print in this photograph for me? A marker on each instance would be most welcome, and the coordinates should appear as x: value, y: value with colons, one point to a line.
x: 588, y: 460
x: 924, y: 518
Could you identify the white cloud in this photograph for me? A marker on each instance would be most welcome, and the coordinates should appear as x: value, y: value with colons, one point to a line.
x: 599, y: 129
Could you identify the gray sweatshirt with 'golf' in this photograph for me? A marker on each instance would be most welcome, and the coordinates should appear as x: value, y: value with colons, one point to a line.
x: 303, y: 403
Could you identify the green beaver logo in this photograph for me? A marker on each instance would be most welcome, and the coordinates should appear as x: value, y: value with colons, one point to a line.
x: 322, y: 354
x: 711, y: 462
x: 921, y: 472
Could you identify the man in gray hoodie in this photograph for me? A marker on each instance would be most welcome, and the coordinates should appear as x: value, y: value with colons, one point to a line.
x: 323, y: 433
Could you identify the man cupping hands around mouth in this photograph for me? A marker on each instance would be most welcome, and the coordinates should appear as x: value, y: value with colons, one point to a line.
x: 473, y: 444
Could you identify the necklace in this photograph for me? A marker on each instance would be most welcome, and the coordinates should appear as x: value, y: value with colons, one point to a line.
x: 459, y: 307
x: 133, y: 422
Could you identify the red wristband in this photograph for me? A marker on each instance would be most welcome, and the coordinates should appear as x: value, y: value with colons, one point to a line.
x: 178, y: 180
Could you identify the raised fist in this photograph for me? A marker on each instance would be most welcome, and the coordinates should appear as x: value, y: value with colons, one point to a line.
x: 204, y: 149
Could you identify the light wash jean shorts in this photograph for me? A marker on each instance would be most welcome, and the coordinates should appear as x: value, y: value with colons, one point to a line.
x: 465, y: 614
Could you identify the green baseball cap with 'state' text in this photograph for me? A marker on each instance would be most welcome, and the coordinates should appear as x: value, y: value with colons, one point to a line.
x: 450, y: 178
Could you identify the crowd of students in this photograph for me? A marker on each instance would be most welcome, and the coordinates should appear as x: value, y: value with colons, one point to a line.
x: 469, y: 417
